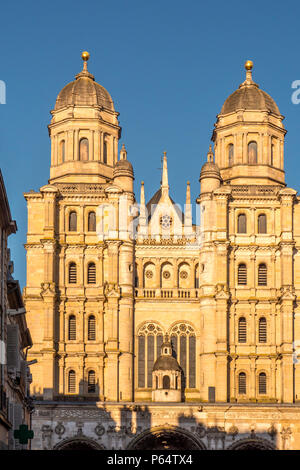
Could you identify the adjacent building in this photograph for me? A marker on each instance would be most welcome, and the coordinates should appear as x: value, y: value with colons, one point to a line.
x: 15, y: 339
x: 151, y: 331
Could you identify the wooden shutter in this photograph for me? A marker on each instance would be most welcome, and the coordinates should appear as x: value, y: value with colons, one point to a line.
x: 242, y: 383
x: 242, y: 274
x: 91, y: 328
x: 242, y: 333
x: 262, y: 223
x: 92, y: 222
x: 91, y: 273
x: 13, y: 347
x: 262, y: 274
x: 73, y: 221
x: 262, y: 330
x: 262, y: 383
x: 72, y: 327
x: 72, y: 273
x: 72, y: 382
x: 242, y: 223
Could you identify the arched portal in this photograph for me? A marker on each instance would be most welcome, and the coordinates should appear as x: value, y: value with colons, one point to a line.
x: 166, y: 439
x: 252, y: 444
x: 82, y: 443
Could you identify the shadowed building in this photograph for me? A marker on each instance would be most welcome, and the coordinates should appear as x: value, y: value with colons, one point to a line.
x: 151, y: 331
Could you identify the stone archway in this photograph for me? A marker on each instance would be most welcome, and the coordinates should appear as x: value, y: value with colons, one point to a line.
x: 162, y: 438
x: 254, y: 443
x: 78, y: 443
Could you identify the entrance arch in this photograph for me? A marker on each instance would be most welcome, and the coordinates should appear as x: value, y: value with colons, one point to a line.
x: 79, y: 443
x: 255, y: 443
x: 162, y: 438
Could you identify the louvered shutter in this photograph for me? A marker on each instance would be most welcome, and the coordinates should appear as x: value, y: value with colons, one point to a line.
x: 262, y: 275
x: 91, y: 382
x: 92, y: 273
x: 91, y: 328
x: 72, y: 327
x: 262, y: 330
x: 72, y: 382
x: 242, y: 330
x: 13, y: 348
x: 242, y: 383
x: 72, y: 273
x: 262, y: 383
x: 242, y: 274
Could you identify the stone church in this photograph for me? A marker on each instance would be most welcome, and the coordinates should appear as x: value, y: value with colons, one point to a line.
x: 151, y: 331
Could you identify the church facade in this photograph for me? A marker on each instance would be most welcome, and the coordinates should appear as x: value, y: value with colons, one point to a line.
x: 150, y: 331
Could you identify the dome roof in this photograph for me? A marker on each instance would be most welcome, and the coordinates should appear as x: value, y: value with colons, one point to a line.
x: 166, y: 363
x: 249, y: 96
x: 84, y: 91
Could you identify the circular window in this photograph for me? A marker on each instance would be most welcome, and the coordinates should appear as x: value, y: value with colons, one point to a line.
x: 183, y: 275
x: 149, y: 274
x: 166, y: 275
x: 165, y: 221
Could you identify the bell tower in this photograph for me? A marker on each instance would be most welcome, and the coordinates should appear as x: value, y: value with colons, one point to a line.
x: 84, y: 132
x: 249, y: 136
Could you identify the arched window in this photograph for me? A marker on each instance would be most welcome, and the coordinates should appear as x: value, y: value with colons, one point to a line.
x: 91, y: 381
x: 166, y: 382
x: 242, y: 330
x: 252, y: 153
x: 150, y: 339
x: 136, y: 276
x: 242, y: 383
x: 73, y: 221
x: 183, y: 342
x: 242, y: 223
x: 91, y: 273
x: 71, y: 381
x: 149, y: 275
x: 72, y: 273
x: 262, y: 383
x: 262, y: 330
x: 92, y: 221
x: 242, y: 274
x: 230, y: 154
x: 84, y: 149
x: 262, y: 274
x: 91, y: 328
x: 62, y: 149
x: 72, y: 327
x: 262, y: 223
x: 104, y: 150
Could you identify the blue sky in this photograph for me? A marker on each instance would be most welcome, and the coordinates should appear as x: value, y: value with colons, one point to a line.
x: 169, y: 65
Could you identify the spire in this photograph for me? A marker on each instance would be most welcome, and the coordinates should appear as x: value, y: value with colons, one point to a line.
x: 142, y: 217
x: 210, y: 155
x: 85, y: 57
x: 188, y: 212
x: 123, y: 153
x: 164, y: 183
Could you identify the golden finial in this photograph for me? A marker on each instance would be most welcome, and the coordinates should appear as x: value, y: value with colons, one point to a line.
x: 248, y: 65
x: 85, y: 55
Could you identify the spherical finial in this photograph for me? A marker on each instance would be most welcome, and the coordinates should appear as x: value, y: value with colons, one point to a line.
x: 85, y: 55
x: 249, y: 65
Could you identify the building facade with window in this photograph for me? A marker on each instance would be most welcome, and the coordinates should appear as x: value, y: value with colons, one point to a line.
x: 149, y: 331
x: 15, y: 403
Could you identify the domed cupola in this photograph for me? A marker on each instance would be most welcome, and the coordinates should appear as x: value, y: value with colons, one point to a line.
x: 84, y: 132
x: 249, y: 136
x: 166, y: 375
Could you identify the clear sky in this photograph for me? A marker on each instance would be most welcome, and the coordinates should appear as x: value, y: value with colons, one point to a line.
x: 169, y: 65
